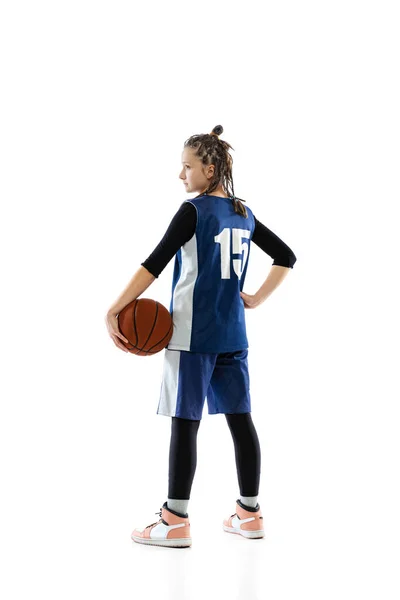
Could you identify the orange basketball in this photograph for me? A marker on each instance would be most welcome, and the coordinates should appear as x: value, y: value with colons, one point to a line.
x: 147, y: 325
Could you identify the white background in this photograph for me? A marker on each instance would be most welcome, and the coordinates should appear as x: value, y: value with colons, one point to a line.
x: 97, y: 100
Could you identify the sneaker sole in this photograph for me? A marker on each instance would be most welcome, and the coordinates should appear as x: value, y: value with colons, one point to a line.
x: 174, y: 543
x: 259, y: 533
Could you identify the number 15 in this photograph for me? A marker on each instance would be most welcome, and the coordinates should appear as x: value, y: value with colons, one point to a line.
x: 238, y: 247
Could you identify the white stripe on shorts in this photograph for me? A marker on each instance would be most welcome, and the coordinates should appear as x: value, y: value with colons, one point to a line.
x: 169, y: 384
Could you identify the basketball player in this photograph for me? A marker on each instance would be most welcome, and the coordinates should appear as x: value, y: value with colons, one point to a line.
x: 207, y: 355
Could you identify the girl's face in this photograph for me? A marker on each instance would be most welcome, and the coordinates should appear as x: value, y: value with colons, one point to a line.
x: 194, y: 174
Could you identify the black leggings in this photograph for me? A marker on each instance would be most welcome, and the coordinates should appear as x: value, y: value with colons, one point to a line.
x: 183, y: 455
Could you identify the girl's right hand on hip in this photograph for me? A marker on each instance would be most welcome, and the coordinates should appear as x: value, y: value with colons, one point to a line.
x: 250, y: 301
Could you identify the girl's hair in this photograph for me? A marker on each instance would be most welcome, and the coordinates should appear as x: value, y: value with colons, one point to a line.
x: 211, y: 150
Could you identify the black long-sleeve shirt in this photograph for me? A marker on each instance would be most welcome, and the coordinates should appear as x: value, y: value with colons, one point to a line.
x: 182, y: 228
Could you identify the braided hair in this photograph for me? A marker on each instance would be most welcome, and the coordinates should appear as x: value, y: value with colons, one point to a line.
x: 211, y: 150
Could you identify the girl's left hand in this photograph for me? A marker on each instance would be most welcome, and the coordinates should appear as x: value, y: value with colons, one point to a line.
x: 113, y: 330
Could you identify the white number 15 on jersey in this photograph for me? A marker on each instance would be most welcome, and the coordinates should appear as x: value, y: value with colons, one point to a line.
x: 238, y: 247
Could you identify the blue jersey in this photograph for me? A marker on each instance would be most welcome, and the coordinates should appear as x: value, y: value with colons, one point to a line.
x: 210, y: 269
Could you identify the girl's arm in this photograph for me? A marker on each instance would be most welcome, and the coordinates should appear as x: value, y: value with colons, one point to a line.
x: 275, y: 277
x: 137, y: 285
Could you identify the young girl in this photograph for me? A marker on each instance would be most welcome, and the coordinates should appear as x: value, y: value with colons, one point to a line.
x: 207, y: 354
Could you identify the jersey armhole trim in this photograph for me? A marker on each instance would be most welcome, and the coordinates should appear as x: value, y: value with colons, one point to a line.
x: 197, y: 214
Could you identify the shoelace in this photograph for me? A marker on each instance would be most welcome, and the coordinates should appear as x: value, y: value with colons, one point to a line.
x: 155, y: 523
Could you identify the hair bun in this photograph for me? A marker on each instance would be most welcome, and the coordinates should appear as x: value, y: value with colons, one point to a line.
x: 218, y: 129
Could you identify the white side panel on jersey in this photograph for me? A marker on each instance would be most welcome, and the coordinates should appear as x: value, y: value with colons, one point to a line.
x: 169, y: 386
x: 183, y: 297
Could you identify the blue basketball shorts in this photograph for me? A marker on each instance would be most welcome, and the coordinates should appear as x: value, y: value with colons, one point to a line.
x: 191, y: 377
